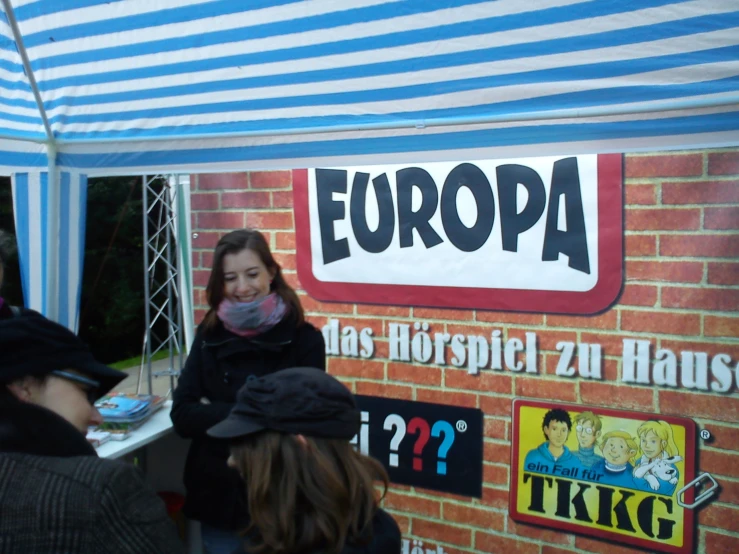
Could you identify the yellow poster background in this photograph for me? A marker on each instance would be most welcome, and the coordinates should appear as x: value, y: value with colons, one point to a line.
x: 531, y: 437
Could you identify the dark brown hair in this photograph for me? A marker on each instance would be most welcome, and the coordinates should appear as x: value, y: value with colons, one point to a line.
x: 232, y: 243
x: 307, y: 496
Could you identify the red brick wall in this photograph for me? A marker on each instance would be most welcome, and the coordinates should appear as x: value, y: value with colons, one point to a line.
x: 682, y: 272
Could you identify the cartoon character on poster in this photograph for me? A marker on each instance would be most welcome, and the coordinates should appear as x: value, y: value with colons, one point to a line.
x: 644, y: 459
x: 659, y: 456
x: 604, y: 472
x: 587, y: 430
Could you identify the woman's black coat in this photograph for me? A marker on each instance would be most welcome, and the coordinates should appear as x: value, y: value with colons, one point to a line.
x: 217, y: 367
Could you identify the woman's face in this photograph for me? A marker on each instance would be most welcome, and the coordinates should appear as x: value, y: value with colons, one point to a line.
x: 245, y: 277
x: 651, y: 444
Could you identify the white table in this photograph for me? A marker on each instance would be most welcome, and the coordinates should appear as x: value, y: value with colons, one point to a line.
x: 162, y: 457
x: 156, y: 427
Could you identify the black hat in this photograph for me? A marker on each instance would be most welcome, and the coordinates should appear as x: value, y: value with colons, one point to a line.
x: 32, y: 345
x: 300, y: 400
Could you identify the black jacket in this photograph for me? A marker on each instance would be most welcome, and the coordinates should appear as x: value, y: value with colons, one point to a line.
x: 385, y: 537
x: 56, y: 495
x: 7, y: 311
x: 217, y: 367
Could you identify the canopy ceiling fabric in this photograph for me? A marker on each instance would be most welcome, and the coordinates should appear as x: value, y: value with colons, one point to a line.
x: 142, y: 86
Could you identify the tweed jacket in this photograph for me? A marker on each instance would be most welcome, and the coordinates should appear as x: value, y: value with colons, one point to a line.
x: 58, y: 497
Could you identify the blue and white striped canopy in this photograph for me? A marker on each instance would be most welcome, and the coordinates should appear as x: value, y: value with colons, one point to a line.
x: 139, y: 86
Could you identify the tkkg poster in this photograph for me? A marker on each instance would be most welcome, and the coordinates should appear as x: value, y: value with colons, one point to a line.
x: 611, y: 474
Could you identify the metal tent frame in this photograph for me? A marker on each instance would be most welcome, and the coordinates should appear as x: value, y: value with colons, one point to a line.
x: 163, y: 273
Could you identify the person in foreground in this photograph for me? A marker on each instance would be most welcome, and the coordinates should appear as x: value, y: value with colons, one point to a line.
x: 308, y: 490
x: 255, y: 326
x: 56, y: 495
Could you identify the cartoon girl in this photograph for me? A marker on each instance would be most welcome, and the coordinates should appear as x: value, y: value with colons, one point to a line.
x: 656, y: 470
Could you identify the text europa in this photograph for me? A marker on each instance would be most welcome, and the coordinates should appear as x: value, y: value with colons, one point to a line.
x: 562, y: 207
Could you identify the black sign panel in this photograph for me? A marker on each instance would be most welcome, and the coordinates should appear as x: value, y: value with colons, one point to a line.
x: 433, y: 446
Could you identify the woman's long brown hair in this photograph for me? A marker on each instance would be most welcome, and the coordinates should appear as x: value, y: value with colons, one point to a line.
x: 307, y: 496
x: 232, y: 243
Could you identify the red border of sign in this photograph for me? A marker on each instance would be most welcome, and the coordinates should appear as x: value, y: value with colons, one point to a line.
x: 602, y: 295
x: 689, y: 459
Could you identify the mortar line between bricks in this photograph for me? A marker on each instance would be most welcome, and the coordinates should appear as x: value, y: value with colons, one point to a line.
x: 729, y: 479
x: 724, y: 504
x: 660, y: 154
x: 709, y: 421
x: 675, y: 310
x: 701, y: 233
x: 664, y: 258
x: 702, y: 206
x: 723, y: 532
x: 677, y: 179
x: 426, y: 494
x: 460, y: 525
x: 507, y: 535
x: 497, y: 464
x: 711, y: 448
x: 704, y: 160
x: 444, y: 544
x: 665, y: 207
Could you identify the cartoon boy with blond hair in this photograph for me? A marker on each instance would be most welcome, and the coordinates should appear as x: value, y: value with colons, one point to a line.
x: 619, y: 450
x: 587, y: 431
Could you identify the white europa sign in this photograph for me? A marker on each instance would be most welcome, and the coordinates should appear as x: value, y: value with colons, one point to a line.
x: 535, y: 234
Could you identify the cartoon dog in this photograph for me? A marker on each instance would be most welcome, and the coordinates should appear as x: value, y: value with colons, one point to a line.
x: 657, y: 470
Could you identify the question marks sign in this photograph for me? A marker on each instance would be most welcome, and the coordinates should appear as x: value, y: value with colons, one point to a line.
x: 397, y: 422
x: 443, y: 428
x: 432, y: 446
x: 422, y: 426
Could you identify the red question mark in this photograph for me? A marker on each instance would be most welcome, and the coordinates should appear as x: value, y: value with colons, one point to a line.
x: 421, y: 425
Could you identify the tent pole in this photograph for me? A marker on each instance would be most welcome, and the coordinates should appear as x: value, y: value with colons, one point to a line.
x: 53, y: 221
x: 27, y: 68
x: 52, y: 238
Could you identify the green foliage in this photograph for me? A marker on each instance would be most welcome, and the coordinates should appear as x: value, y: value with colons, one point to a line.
x: 112, y: 308
x: 12, y: 290
x: 135, y: 361
x: 112, y: 319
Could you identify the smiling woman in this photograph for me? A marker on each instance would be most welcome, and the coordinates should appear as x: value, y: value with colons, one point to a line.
x: 255, y: 326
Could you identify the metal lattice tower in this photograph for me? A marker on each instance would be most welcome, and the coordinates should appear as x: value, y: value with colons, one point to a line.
x: 162, y: 273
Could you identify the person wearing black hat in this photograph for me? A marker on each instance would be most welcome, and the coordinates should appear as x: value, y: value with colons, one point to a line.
x: 308, y: 490
x: 56, y: 495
